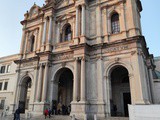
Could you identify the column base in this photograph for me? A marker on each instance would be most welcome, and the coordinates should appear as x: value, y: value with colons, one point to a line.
x: 99, y: 40
x: 42, y: 48
x: 39, y: 107
x: 78, y: 109
x: 48, y: 47
x: 82, y: 39
x: 76, y: 41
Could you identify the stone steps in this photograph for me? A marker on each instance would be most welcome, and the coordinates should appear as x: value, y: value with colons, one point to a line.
x: 118, y: 118
x: 59, y: 117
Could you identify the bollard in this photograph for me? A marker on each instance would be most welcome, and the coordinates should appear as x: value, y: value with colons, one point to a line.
x: 95, y: 117
x: 73, y: 117
x: 85, y: 117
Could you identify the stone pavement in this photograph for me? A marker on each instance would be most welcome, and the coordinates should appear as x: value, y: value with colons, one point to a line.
x: 59, y: 117
x: 10, y: 117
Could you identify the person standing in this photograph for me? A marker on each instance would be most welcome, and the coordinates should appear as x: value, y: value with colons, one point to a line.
x: 17, y: 114
x: 59, y: 108
x: 49, y: 112
x: 46, y: 113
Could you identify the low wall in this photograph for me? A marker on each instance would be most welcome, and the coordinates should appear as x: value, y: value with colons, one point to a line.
x: 144, y: 112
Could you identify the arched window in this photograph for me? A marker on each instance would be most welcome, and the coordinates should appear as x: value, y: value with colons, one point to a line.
x: 67, y: 33
x: 32, y: 43
x: 115, y: 23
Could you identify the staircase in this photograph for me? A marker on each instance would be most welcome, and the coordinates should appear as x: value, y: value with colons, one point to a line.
x: 118, y: 118
x: 58, y: 117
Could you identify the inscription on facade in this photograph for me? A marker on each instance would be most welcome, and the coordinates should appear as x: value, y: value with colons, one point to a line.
x: 63, y: 56
x: 27, y: 64
x: 115, y: 49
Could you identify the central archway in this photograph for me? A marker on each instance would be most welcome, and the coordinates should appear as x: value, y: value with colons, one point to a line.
x: 63, y: 85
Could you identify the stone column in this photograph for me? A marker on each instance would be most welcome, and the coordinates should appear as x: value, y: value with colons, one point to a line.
x: 109, y: 26
x: 105, y: 22
x: 83, y: 20
x: 123, y: 21
x: 50, y: 30
x: 132, y: 88
x: 75, y: 86
x: 48, y: 44
x: 22, y: 42
x: 39, y: 87
x: 100, y: 80
x: 33, y: 89
x: 58, y: 32
x: 26, y: 43
x: 44, y: 34
x: 77, y: 21
x: 83, y: 80
x: 36, y: 39
x: 108, y: 87
x: 45, y: 81
x: 39, y: 38
x: 98, y: 24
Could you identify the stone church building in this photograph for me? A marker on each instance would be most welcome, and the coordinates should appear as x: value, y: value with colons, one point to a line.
x: 87, y: 54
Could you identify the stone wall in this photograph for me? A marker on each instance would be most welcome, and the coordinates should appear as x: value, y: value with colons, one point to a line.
x: 144, y: 112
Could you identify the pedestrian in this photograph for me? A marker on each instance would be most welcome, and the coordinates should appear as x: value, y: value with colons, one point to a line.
x: 49, y: 112
x: 59, y: 108
x: 17, y: 114
x: 54, y: 109
x: 14, y: 116
x: 46, y: 113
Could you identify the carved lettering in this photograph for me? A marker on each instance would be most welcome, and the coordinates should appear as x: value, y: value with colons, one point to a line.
x: 63, y: 56
x: 27, y: 64
x: 115, y: 49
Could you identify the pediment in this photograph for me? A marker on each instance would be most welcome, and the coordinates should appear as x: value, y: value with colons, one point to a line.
x: 65, y: 17
x: 64, y: 3
x: 34, y: 11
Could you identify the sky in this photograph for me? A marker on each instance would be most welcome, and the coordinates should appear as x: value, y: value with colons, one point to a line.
x: 12, y: 13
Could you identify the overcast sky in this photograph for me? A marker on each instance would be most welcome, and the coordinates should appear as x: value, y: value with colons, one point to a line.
x: 12, y: 12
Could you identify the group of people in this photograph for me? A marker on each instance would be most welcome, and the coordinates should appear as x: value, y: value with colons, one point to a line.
x: 61, y: 109
x: 58, y: 109
x: 47, y: 112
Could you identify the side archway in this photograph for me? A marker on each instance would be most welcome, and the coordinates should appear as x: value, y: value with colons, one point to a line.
x: 25, y: 92
x: 118, y: 92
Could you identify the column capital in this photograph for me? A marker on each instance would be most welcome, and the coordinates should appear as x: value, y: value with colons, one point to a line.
x: 83, y: 58
x: 130, y: 75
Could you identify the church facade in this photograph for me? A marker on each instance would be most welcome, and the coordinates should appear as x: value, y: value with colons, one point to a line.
x: 86, y: 54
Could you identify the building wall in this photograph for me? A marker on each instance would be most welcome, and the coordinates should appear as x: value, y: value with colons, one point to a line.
x: 92, y: 54
x: 9, y: 77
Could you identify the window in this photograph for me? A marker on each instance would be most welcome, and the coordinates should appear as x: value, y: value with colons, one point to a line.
x: 67, y: 33
x: 1, y: 86
x: 2, y: 69
x: 8, y: 68
x: 115, y: 23
x: 2, y: 104
x: 32, y: 43
x: 5, y: 85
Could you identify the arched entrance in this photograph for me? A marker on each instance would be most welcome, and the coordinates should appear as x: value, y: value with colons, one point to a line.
x: 64, y: 86
x: 120, y: 91
x: 25, y: 92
